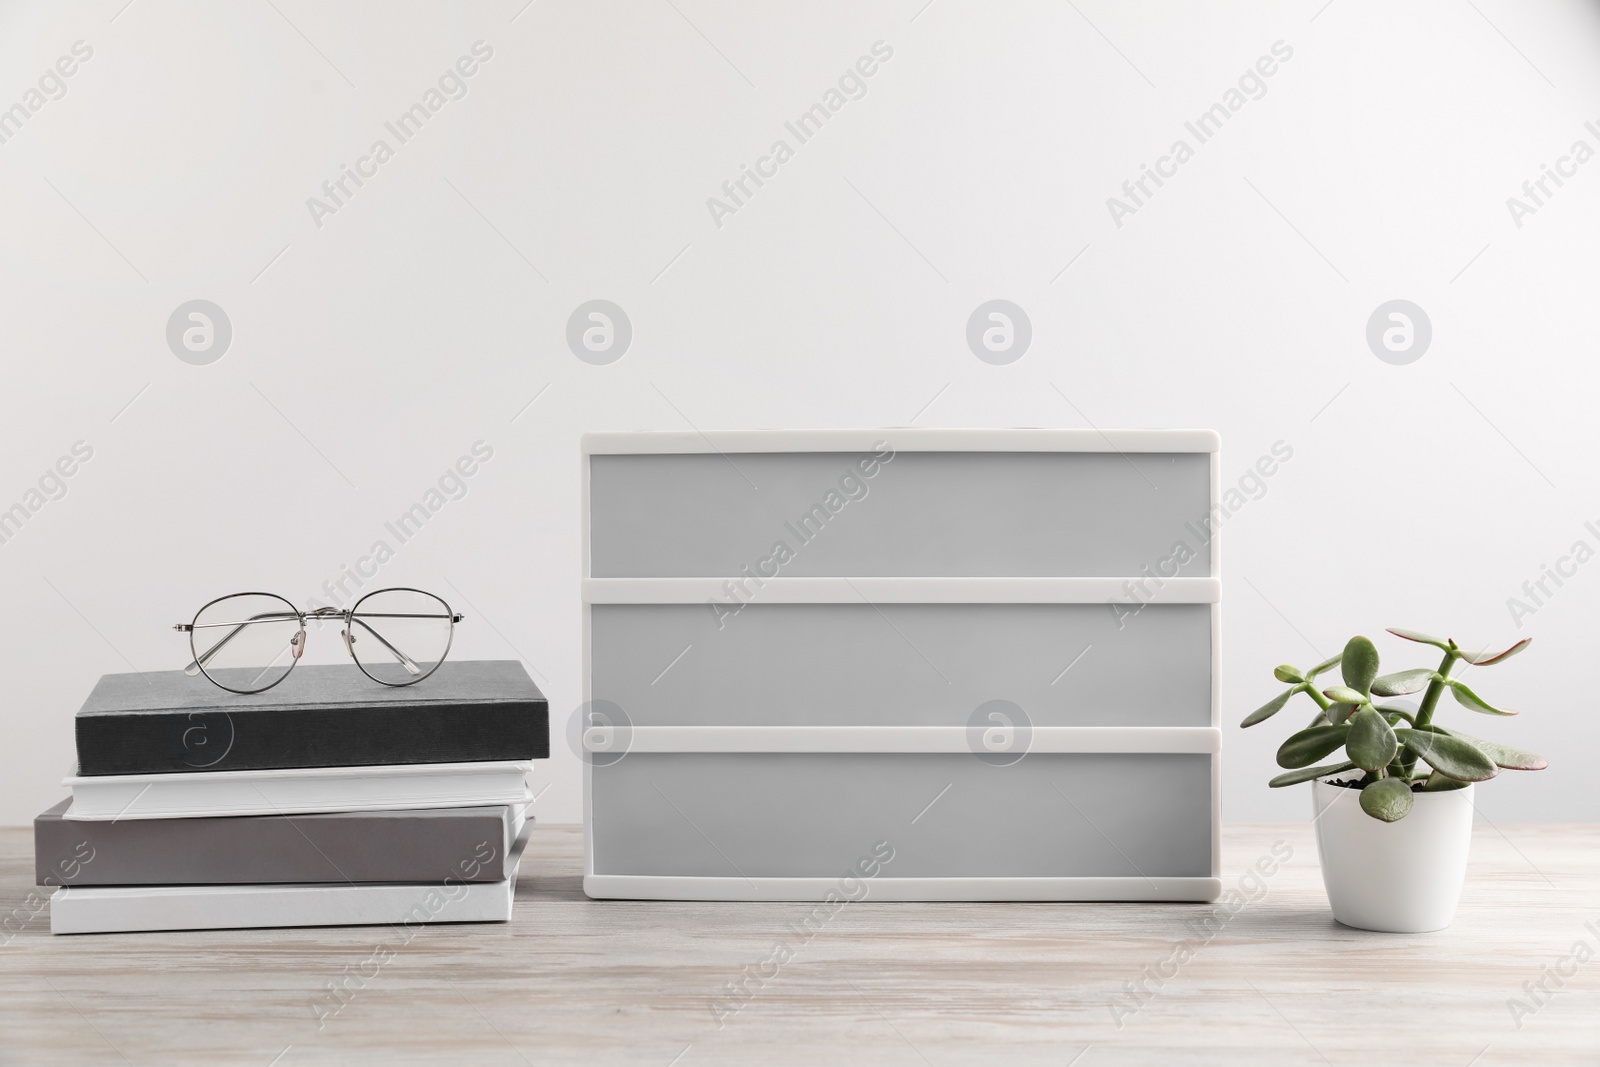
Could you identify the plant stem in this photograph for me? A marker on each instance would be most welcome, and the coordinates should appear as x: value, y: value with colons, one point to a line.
x: 1322, y: 704
x: 1430, y: 700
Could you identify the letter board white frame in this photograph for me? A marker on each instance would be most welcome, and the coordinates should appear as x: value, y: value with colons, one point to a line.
x: 830, y: 744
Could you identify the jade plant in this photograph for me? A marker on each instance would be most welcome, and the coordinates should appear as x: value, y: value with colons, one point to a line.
x: 1386, y: 742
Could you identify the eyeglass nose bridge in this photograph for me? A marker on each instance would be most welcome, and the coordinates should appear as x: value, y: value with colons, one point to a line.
x: 349, y: 641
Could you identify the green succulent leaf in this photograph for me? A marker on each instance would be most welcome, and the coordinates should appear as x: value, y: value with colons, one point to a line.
x: 1306, y: 774
x: 1343, y: 694
x: 1286, y: 673
x: 1504, y: 756
x: 1325, y: 665
x: 1389, y: 799
x: 1372, y: 742
x: 1472, y: 701
x: 1308, y: 746
x: 1439, y: 783
x: 1271, y: 707
x: 1421, y: 639
x: 1451, y: 756
x: 1338, y: 713
x: 1399, y: 713
x: 1483, y: 659
x: 1359, y: 664
x: 1403, y: 682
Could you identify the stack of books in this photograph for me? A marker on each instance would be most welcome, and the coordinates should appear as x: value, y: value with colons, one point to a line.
x: 327, y: 800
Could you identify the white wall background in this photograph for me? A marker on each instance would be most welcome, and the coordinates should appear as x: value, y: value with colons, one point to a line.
x: 372, y: 351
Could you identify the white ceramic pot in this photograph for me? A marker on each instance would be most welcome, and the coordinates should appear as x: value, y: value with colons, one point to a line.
x: 1400, y: 877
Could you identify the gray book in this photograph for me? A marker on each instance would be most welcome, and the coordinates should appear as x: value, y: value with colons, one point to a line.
x: 422, y: 846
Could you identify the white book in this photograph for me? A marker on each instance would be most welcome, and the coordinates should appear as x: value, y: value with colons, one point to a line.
x: 298, y: 790
x: 125, y: 909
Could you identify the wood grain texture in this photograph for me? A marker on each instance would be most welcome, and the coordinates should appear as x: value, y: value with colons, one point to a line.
x: 575, y: 981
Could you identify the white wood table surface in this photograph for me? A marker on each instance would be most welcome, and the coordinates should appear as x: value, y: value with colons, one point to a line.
x: 575, y: 981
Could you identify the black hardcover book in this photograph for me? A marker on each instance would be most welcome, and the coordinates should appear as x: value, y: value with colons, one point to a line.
x: 319, y: 716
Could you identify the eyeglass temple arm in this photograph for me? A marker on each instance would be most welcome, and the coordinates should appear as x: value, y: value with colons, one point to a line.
x: 405, y: 660
x: 200, y: 661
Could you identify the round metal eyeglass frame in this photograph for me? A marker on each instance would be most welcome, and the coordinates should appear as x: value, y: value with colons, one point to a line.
x: 348, y: 616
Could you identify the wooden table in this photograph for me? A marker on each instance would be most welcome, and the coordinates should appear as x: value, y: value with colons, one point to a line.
x: 575, y: 981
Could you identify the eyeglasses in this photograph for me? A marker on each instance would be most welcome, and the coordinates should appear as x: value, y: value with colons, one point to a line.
x: 249, y: 642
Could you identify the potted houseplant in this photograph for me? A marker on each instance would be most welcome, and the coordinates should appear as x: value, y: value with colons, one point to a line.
x: 1393, y: 816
